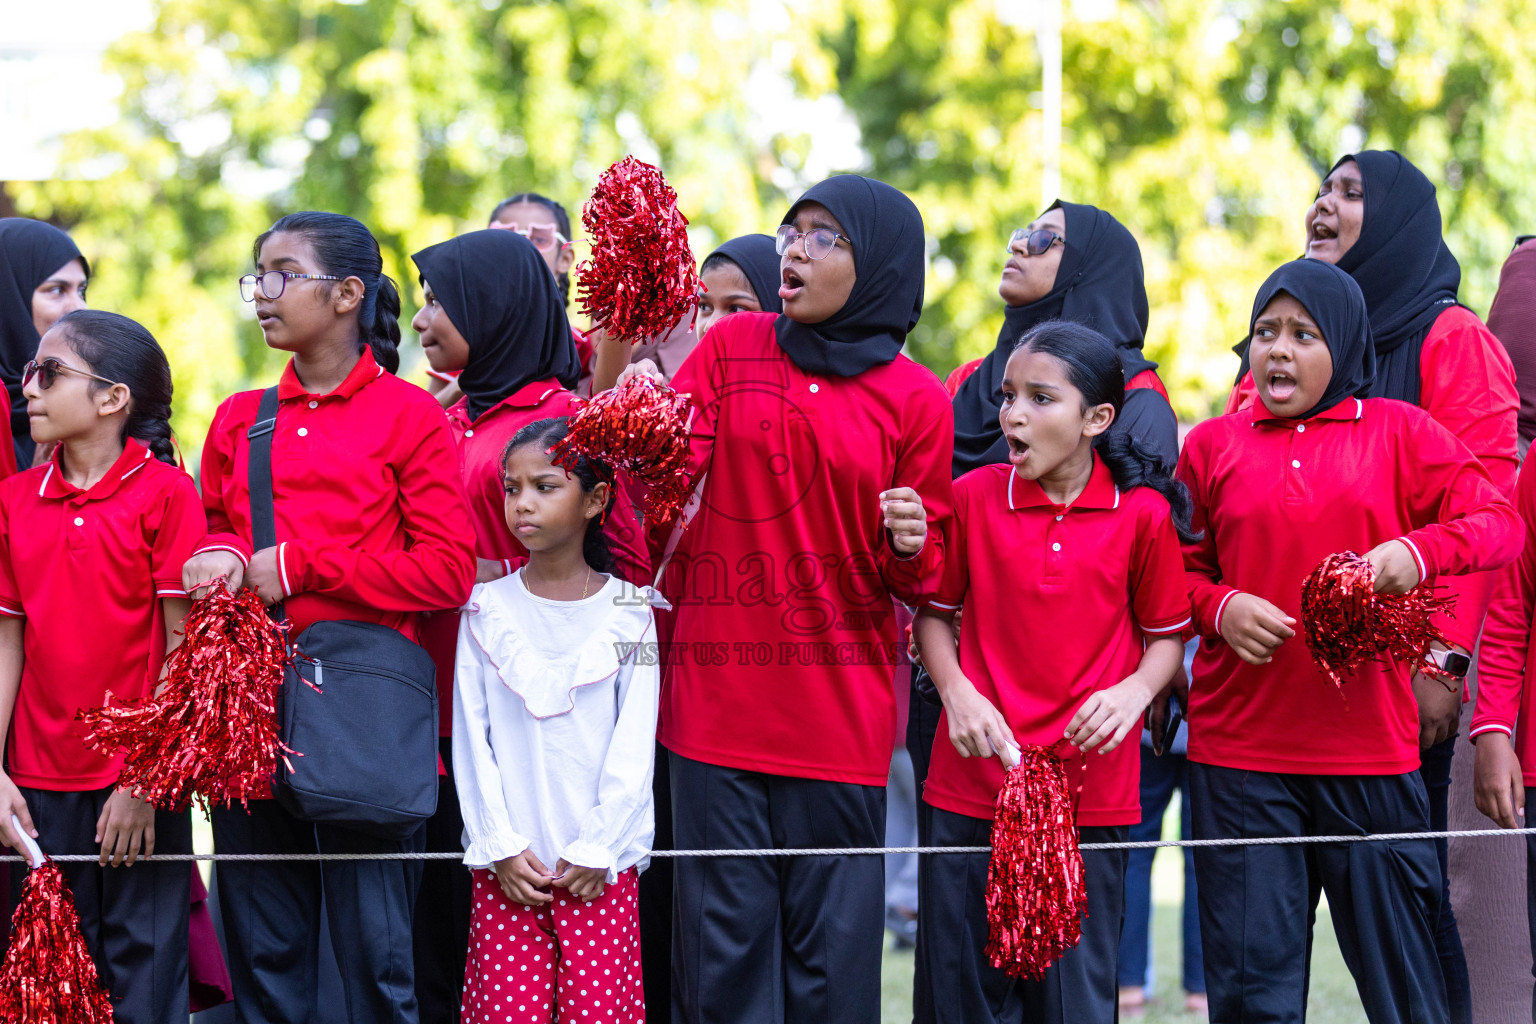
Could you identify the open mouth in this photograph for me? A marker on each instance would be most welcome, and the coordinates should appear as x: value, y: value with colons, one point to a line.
x: 792, y: 285
x: 1018, y: 449
x: 1281, y: 386
x: 1322, y: 232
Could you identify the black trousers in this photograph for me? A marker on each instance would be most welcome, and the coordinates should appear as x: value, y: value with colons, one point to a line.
x: 1435, y: 770
x: 656, y: 888
x: 924, y: 709
x: 441, y: 928
x: 760, y: 940
x: 134, y: 919
x: 271, y: 917
x: 1530, y: 904
x: 1256, y: 901
x: 965, y: 988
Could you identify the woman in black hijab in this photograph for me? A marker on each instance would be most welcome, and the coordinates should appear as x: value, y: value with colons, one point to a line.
x: 1376, y: 217
x: 42, y: 277
x: 1099, y: 284
x: 820, y: 462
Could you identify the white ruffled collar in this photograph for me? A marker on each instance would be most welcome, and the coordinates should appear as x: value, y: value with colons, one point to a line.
x: 547, y: 681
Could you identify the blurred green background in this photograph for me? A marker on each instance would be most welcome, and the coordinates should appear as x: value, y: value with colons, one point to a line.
x: 1204, y: 125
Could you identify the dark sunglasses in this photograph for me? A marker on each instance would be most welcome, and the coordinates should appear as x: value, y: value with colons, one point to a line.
x: 1036, y: 242
x: 48, y: 371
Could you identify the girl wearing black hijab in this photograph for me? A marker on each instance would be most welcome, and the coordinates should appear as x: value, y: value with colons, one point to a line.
x: 1312, y: 468
x: 1376, y: 218
x: 821, y: 467
x: 495, y: 312
x: 42, y: 277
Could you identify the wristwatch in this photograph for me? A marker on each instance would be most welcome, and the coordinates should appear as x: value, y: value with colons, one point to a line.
x: 1452, y: 663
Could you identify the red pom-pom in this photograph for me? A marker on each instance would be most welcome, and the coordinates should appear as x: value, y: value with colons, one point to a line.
x: 1347, y: 623
x: 1036, y: 891
x: 641, y: 277
x: 48, y: 976
x: 642, y: 427
x: 212, y: 732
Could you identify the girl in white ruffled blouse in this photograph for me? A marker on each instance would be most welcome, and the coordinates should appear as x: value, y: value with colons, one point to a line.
x: 555, y: 696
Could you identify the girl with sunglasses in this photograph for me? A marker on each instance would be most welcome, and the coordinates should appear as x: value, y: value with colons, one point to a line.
x: 821, y: 465
x: 494, y: 317
x: 1377, y: 218
x: 369, y: 528
x: 98, y: 536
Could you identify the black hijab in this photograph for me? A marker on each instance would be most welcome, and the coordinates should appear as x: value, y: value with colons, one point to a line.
x: 30, y: 251
x: 1402, y: 264
x: 500, y: 294
x: 1338, y: 308
x: 758, y: 259
x: 887, y: 296
x: 1099, y: 284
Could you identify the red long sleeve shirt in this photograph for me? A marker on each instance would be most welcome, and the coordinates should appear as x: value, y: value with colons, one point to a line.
x: 1274, y: 497
x: 1467, y: 383
x: 371, y: 519
x: 783, y: 641
x: 1506, y: 661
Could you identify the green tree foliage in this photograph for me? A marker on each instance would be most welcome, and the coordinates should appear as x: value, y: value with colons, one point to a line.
x: 416, y: 116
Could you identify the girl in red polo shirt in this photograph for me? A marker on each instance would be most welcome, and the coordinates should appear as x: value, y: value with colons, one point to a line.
x: 98, y: 536
x: 495, y: 316
x: 821, y: 457
x: 1067, y: 561
x: 1376, y: 217
x: 1312, y: 468
x: 369, y: 528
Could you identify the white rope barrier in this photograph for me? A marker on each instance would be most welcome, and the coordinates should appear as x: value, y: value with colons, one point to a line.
x: 856, y: 851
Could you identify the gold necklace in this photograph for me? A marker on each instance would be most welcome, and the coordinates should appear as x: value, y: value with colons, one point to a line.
x: 587, y: 584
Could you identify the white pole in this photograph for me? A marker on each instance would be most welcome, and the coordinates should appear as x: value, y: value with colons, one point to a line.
x: 1050, y: 91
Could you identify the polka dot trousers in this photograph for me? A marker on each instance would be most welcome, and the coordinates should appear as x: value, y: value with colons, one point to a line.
x: 568, y: 960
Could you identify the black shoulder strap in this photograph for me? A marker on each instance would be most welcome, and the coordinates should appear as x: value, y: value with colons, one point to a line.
x: 263, y: 518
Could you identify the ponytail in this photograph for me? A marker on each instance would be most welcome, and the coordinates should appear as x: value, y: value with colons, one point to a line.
x: 1132, y: 463
x: 122, y: 350
x: 588, y: 472
x: 1094, y: 368
x: 346, y: 248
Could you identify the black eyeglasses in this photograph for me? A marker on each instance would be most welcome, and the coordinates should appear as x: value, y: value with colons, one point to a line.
x: 48, y: 371
x: 1036, y: 242
x: 274, y: 281
x: 818, y: 241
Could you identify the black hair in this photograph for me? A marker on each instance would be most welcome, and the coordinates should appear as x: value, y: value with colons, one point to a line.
x: 346, y: 248
x: 1094, y: 368
x: 562, y: 225
x: 122, y: 350
x: 588, y: 472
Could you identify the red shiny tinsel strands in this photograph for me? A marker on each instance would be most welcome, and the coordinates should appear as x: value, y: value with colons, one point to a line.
x: 1347, y: 623
x: 48, y: 976
x: 641, y: 276
x: 642, y: 427
x: 1036, y: 892
x: 212, y: 732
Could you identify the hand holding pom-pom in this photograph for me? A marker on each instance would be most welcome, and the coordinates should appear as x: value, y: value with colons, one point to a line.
x: 1350, y: 617
x: 641, y: 277
x: 212, y: 730
x: 642, y: 427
